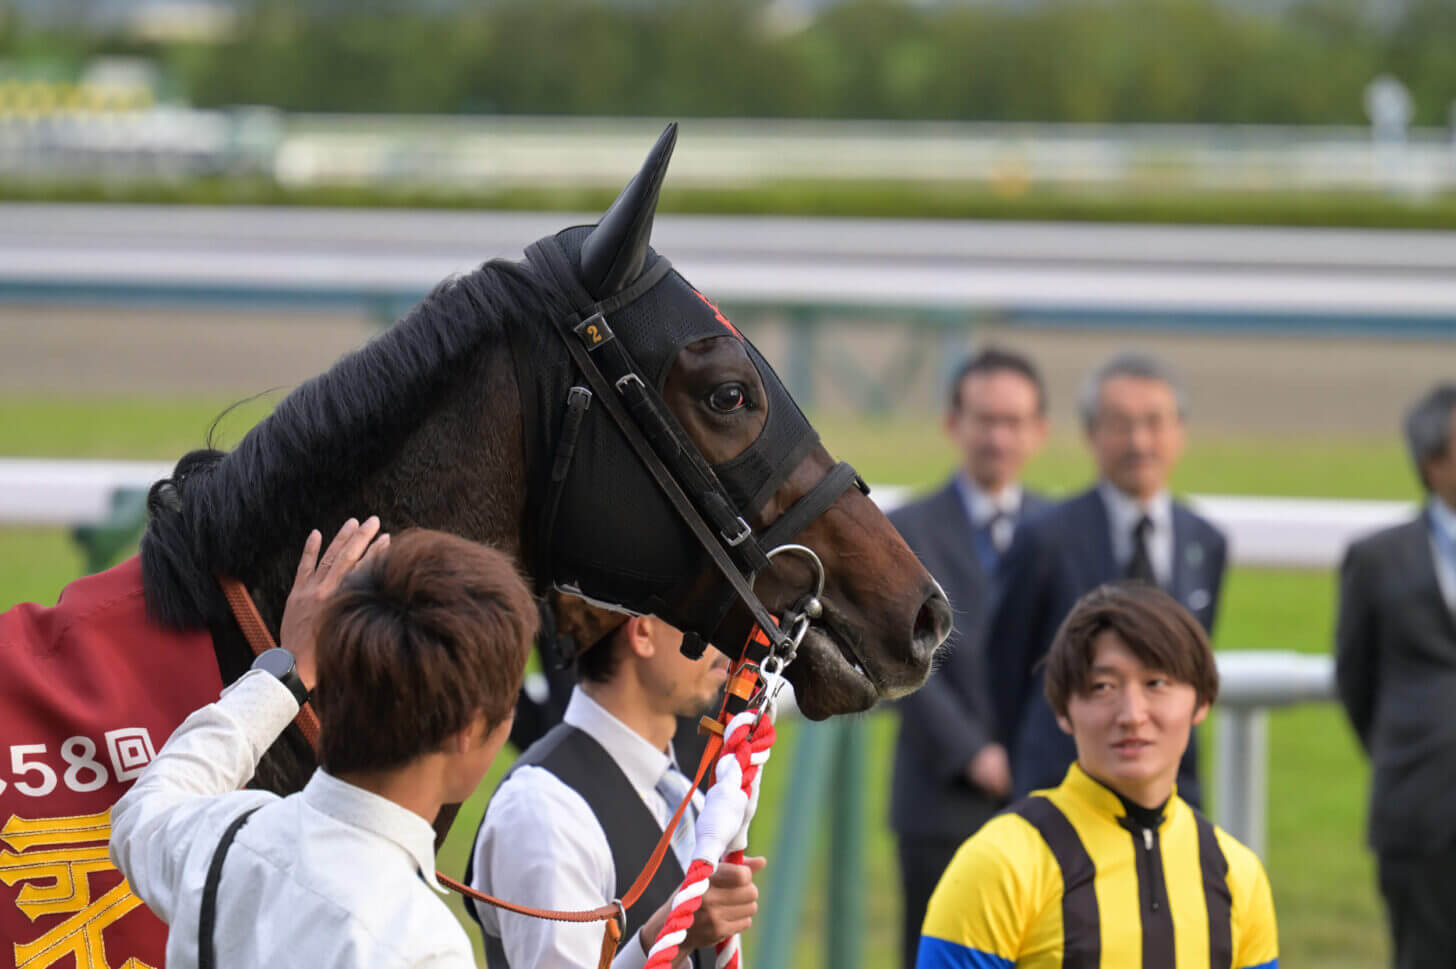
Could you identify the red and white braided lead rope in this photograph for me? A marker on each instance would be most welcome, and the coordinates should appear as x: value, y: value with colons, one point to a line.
x: 722, y: 832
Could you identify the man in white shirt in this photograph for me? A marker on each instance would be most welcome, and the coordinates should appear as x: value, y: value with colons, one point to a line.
x: 418, y: 653
x: 1395, y: 666
x: 1126, y: 527
x: 576, y: 818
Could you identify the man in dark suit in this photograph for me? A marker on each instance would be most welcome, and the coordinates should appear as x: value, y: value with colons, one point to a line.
x: 950, y: 774
x: 1127, y: 526
x: 1395, y: 665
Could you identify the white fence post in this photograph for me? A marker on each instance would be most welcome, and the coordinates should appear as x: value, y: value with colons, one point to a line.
x: 1251, y: 683
x: 1241, y: 777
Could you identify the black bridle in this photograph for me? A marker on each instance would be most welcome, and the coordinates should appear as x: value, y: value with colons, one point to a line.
x: 694, y: 489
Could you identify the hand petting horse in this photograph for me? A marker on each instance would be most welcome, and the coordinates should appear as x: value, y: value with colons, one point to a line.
x: 559, y: 408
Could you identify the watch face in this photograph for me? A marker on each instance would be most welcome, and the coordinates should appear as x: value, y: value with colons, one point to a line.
x: 277, y: 661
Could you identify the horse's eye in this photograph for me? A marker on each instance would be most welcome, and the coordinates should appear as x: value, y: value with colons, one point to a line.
x: 727, y: 398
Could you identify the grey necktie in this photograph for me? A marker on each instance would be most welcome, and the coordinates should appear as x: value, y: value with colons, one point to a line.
x: 673, y: 787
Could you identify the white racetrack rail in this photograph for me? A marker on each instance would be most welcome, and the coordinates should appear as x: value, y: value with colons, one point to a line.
x: 1271, y: 532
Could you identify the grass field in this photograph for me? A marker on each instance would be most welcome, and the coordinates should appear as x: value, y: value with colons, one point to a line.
x: 818, y: 197
x: 1322, y: 874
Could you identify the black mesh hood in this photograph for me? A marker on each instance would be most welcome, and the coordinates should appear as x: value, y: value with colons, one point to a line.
x: 616, y: 538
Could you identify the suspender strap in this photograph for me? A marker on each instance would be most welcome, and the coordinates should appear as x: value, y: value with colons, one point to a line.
x: 207, y: 920
x: 1216, y: 895
x: 1081, y: 922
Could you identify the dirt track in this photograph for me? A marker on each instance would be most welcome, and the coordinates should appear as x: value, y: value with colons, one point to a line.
x: 1238, y: 383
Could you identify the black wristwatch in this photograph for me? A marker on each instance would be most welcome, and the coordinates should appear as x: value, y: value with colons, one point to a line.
x: 279, y: 662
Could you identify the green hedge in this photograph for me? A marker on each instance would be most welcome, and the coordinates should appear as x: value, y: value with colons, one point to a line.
x: 1181, y: 61
x: 878, y: 199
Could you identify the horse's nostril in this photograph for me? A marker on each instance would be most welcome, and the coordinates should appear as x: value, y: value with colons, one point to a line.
x: 932, y: 624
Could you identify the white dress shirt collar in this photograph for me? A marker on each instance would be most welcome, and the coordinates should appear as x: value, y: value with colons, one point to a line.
x: 643, y: 763
x: 1123, y: 510
x: 1123, y: 514
x: 1443, y: 548
x: 363, y: 809
x: 1443, y: 517
x: 981, y: 507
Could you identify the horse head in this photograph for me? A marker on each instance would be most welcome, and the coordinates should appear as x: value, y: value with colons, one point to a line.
x: 610, y: 534
x: 472, y: 415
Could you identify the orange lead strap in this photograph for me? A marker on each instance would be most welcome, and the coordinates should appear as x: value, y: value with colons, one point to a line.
x: 748, y: 745
x: 255, y: 631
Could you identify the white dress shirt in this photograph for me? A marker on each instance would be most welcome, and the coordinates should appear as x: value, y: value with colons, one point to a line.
x: 1443, y: 549
x: 542, y: 846
x: 1123, y: 514
x: 981, y: 508
x: 331, y: 877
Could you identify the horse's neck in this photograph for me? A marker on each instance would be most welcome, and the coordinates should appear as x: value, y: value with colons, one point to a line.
x: 460, y: 470
x: 455, y: 472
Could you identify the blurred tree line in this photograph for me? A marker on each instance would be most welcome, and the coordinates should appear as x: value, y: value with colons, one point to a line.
x: 1058, y: 60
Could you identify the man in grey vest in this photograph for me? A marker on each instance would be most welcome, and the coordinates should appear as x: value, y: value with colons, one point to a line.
x: 574, y: 821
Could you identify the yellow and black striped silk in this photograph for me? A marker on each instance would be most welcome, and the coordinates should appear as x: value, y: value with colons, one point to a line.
x: 1063, y: 880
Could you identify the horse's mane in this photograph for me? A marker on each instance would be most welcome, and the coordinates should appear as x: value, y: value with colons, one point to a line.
x: 229, y: 513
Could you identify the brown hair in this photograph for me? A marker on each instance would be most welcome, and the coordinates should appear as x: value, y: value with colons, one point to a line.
x: 1159, y: 631
x: 414, y: 645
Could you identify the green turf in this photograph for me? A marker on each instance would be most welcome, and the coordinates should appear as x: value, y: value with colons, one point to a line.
x: 903, y: 450
x: 823, y: 197
x: 150, y: 428
x: 1321, y: 872
x: 913, y: 451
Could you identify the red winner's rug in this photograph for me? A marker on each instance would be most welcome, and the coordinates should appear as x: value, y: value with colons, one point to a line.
x: 89, y: 690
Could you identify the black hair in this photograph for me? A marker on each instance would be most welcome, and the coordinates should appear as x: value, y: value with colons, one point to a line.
x: 989, y: 360
x: 599, y: 663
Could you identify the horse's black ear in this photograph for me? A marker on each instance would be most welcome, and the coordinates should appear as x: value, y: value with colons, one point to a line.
x: 615, y: 252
